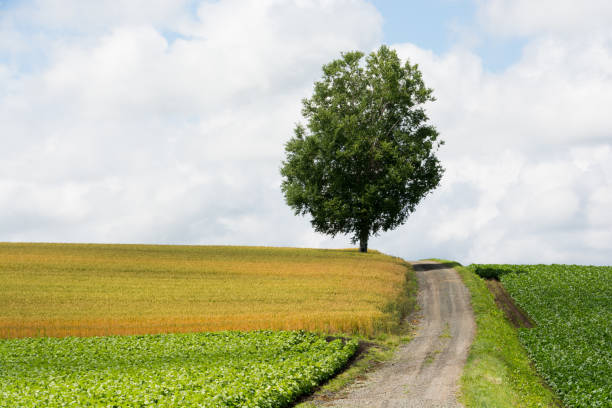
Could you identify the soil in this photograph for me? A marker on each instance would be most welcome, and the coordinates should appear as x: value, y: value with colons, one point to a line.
x: 425, y: 371
x: 505, y: 302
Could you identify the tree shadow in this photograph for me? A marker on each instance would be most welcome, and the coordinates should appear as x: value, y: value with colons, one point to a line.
x: 434, y: 267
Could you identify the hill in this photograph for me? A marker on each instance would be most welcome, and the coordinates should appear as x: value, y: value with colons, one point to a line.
x: 90, y: 289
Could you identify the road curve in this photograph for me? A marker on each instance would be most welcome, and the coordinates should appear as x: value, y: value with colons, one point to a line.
x: 425, y: 372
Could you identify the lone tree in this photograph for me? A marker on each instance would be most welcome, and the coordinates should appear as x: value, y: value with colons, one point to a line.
x: 367, y: 155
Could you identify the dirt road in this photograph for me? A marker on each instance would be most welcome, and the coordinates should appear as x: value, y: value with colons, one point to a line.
x: 425, y: 371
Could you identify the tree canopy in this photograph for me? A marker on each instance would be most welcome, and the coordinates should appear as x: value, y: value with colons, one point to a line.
x: 366, y: 156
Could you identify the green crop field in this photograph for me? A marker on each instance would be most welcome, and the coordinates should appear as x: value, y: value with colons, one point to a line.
x: 571, y: 345
x: 225, y: 369
x: 89, y: 290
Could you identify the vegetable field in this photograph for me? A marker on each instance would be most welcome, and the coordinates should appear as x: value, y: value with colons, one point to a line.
x: 88, y: 290
x: 571, y: 345
x: 223, y: 369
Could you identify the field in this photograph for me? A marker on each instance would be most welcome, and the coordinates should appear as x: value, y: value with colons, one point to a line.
x: 571, y: 345
x: 86, y: 290
x: 224, y: 369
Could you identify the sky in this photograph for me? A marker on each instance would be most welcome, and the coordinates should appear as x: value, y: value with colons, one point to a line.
x: 164, y: 121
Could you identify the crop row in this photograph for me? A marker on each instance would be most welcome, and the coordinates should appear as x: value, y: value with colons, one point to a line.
x: 224, y: 369
x: 571, y: 345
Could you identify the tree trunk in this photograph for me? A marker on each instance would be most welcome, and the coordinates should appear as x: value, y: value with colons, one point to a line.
x: 363, y: 241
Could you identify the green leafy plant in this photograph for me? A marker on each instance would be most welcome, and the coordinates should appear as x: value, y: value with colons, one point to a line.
x: 226, y: 369
x: 571, y: 345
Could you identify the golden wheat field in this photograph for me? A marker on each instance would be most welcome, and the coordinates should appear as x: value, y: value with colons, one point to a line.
x: 92, y: 289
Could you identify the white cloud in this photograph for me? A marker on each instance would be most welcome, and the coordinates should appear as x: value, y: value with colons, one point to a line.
x: 532, y: 147
x: 123, y: 134
x: 561, y: 17
x: 160, y: 123
x: 557, y: 93
x: 90, y: 16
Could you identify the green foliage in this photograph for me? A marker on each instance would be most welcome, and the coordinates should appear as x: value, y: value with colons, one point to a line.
x: 367, y: 155
x: 496, y: 271
x: 498, y: 372
x: 225, y: 369
x: 571, y: 346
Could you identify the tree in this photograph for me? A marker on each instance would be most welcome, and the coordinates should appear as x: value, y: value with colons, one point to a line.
x: 367, y: 156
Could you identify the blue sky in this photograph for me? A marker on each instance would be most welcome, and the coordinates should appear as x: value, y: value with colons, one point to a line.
x: 429, y: 24
x: 164, y: 122
x: 441, y: 25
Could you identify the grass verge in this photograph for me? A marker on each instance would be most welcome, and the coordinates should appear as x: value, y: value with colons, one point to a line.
x: 373, y: 353
x: 498, y: 372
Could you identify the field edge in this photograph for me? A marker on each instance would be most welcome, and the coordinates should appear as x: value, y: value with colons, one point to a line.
x: 377, y: 349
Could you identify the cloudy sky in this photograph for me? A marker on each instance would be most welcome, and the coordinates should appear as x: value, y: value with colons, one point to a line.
x: 164, y: 121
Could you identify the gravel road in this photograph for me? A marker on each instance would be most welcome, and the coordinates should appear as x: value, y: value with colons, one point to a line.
x: 425, y: 372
